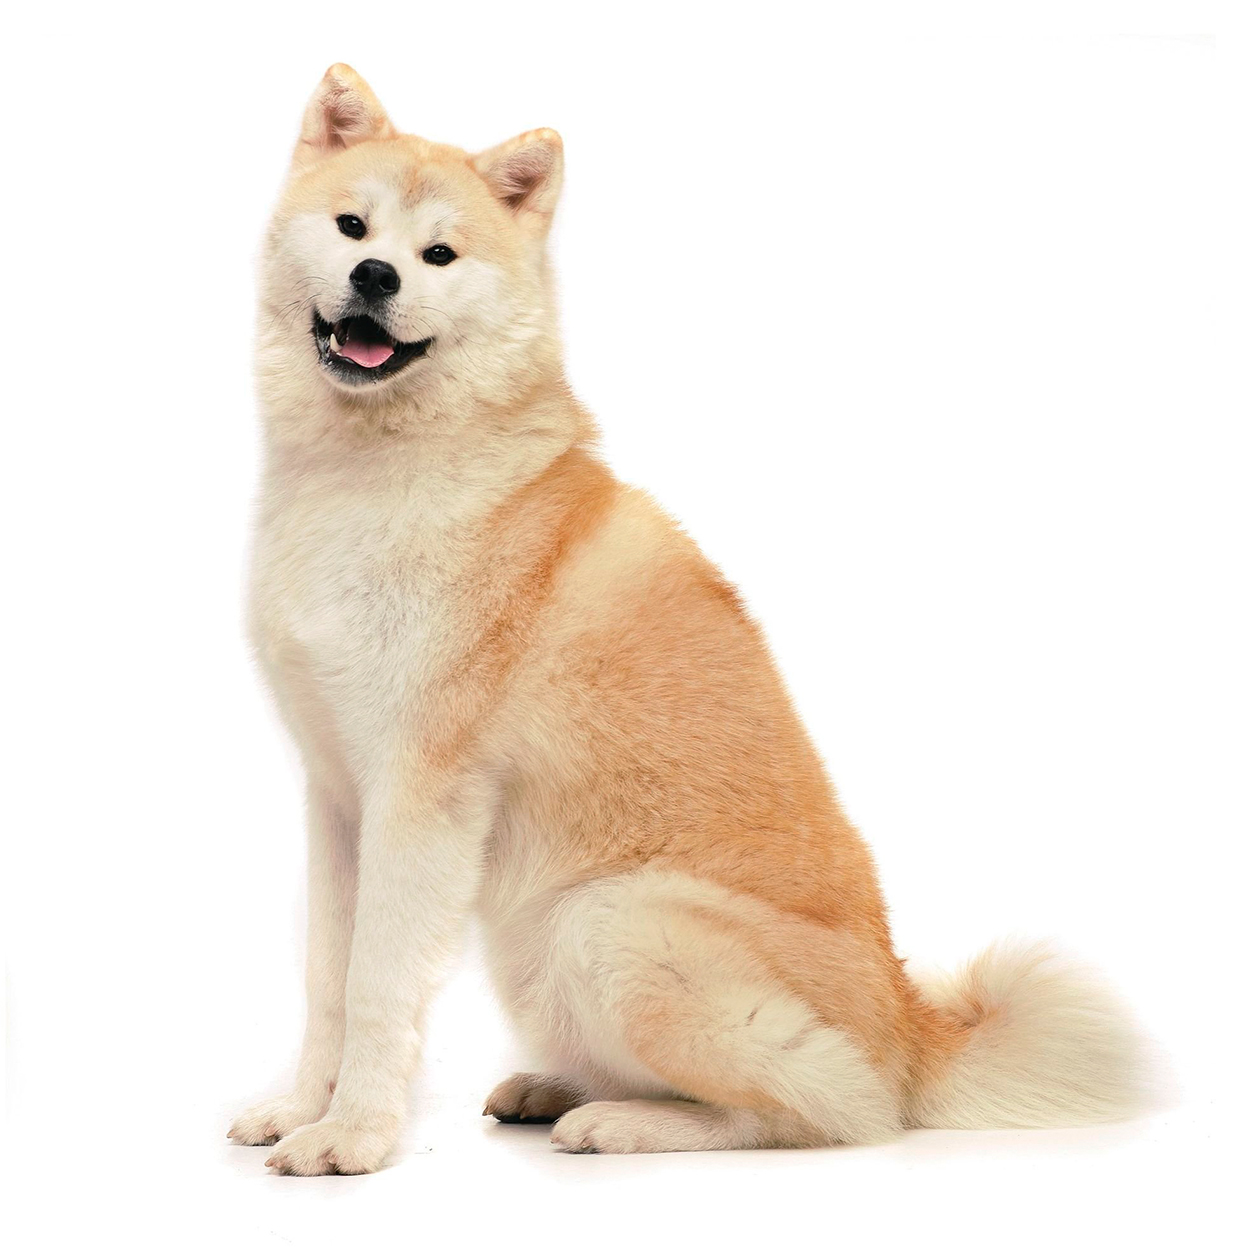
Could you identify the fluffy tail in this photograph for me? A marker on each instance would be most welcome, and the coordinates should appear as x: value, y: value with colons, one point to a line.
x: 1040, y: 1043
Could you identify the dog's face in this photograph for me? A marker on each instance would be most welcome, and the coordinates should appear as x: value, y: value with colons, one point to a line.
x: 396, y: 267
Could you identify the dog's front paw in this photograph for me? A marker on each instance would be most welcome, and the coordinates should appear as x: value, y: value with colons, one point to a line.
x: 330, y: 1147
x: 265, y: 1123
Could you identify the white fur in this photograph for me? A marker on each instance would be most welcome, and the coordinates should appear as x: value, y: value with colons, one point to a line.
x: 1051, y: 1045
x: 651, y: 1126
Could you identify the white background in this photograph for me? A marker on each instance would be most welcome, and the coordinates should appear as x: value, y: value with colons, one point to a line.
x: 932, y: 335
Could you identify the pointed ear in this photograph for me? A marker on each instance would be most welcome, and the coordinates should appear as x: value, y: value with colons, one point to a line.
x: 525, y: 174
x: 343, y: 111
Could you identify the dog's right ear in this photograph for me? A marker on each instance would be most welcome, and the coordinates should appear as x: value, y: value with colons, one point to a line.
x: 343, y: 111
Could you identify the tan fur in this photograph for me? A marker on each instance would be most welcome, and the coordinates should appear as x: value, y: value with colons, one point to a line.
x: 517, y: 684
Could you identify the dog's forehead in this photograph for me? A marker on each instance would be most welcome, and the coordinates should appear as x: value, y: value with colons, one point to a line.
x: 421, y: 195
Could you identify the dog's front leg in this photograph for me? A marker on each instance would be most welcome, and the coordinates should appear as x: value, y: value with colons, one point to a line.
x: 419, y: 870
x: 332, y: 836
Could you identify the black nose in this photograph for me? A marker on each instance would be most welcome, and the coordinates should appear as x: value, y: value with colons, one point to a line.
x: 375, y: 278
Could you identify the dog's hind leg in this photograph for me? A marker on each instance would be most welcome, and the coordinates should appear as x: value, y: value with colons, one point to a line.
x: 652, y: 1126
x: 674, y: 993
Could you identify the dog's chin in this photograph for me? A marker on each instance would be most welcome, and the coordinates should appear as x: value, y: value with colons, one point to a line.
x: 357, y: 351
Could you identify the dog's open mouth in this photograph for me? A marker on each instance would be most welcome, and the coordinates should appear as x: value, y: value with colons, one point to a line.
x: 357, y: 349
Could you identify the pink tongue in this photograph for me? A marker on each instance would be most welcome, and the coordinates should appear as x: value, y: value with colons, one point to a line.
x: 370, y: 355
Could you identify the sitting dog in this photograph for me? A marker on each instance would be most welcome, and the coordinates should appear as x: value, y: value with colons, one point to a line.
x: 519, y: 688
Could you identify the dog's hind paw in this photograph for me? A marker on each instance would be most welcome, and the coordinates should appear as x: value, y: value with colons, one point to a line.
x: 532, y: 1098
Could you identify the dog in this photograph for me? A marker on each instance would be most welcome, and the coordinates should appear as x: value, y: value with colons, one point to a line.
x: 520, y: 689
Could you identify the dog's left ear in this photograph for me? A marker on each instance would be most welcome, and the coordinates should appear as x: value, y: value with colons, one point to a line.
x: 343, y: 111
x: 525, y: 174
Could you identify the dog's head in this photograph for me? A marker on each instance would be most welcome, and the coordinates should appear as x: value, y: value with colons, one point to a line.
x: 398, y: 268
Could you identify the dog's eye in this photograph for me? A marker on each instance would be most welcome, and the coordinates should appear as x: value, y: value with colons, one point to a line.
x: 351, y: 226
x: 439, y: 254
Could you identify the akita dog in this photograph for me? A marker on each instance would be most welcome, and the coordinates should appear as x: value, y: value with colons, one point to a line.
x: 520, y: 688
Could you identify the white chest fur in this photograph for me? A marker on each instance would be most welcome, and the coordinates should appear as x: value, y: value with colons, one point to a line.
x: 349, y: 608
x: 361, y: 566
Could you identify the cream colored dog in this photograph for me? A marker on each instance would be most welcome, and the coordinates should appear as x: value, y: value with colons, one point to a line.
x: 519, y: 688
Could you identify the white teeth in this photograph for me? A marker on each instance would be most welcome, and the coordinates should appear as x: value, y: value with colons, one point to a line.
x: 334, y: 343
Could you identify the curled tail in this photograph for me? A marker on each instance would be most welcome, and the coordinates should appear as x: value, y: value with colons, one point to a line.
x: 1029, y: 1041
